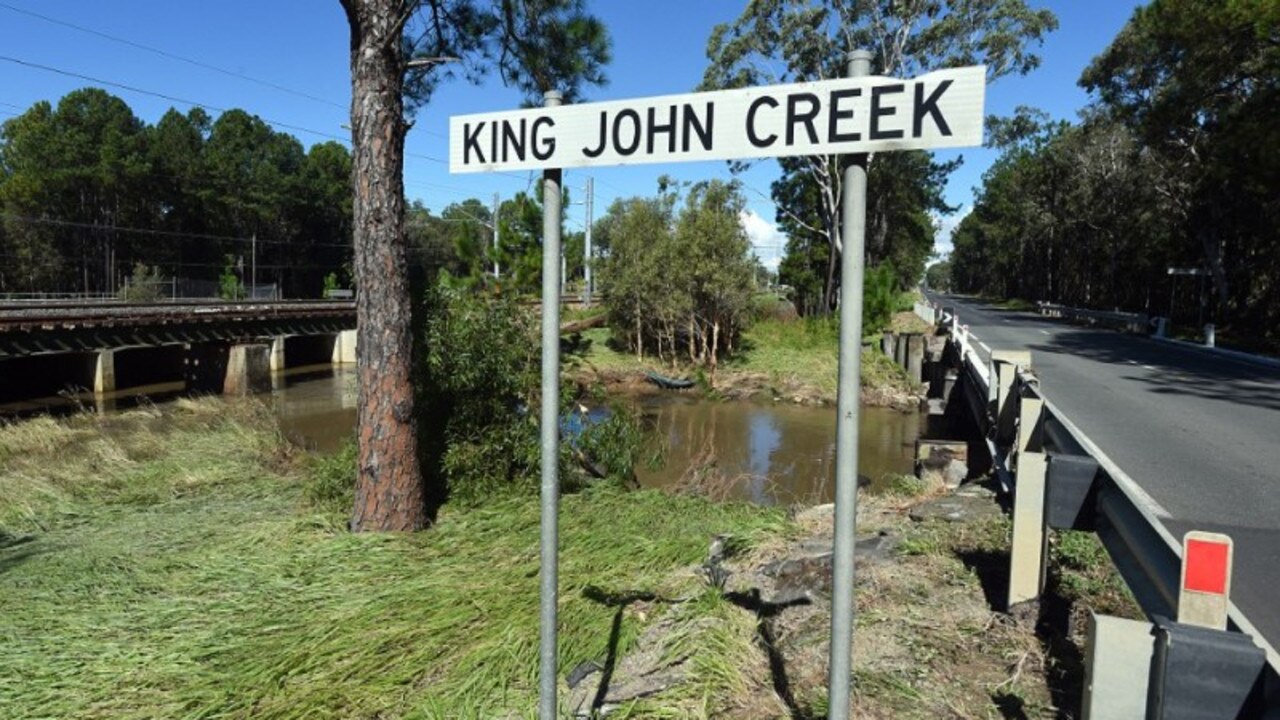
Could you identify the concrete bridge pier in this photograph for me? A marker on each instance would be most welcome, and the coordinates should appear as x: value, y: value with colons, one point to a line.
x: 104, y: 373
x: 344, y: 348
x: 248, y: 369
x: 277, y: 357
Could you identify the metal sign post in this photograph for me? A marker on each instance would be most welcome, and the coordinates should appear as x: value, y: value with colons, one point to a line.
x: 550, y: 433
x: 856, y: 114
x: 854, y: 223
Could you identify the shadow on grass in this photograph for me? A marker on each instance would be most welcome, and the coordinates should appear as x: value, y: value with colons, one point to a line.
x: 992, y: 569
x: 765, y: 612
x: 619, y: 601
x: 1052, y: 617
x: 1010, y: 706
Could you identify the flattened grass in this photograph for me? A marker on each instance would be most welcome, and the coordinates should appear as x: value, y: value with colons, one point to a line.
x: 221, y: 592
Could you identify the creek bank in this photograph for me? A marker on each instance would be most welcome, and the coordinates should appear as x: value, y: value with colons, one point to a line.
x: 927, y: 643
x: 746, y: 385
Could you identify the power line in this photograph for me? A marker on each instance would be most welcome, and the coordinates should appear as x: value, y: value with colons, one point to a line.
x: 193, y: 103
x: 159, y: 233
x: 164, y: 96
x: 171, y: 56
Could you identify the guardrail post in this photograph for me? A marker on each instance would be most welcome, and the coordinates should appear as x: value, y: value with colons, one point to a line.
x: 1026, y: 559
x: 1004, y: 373
x: 1117, y: 668
x: 1030, y: 417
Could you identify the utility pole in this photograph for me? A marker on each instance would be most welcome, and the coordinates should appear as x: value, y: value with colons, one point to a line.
x: 253, y: 278
x: 586, y: 249
x: 493, y: 225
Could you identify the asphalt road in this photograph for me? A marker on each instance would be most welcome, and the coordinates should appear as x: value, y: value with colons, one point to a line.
x: 1200, y: 433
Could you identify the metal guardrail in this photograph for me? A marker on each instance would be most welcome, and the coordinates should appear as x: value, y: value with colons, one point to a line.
x: 1131, y: 322
x: 1018, y: 420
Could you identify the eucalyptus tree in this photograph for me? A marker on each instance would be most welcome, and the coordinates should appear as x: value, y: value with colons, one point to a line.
x: 1198, y: 81
x: 401, y: 50
x: 782, y: 41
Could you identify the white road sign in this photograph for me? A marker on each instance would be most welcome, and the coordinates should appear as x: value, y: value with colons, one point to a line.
x: 847, y: 115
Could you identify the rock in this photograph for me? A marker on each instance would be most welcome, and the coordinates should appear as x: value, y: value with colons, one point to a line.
x: 956, y: 508
x: 807, y: 571
x: 947, y: 459
x: 978, y: 490
x: 817, y: 513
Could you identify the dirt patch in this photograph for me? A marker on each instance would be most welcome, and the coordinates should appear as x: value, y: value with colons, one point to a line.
x: 927, y: 642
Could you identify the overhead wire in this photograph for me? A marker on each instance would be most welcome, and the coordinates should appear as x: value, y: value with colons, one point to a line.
x: 158, y: 233
x: 170, y: 55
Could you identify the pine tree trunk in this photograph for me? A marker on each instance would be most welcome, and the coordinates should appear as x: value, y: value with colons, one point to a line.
x: 389, y: 486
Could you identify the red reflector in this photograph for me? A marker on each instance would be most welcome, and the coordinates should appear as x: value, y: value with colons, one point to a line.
x: 1206, y: 564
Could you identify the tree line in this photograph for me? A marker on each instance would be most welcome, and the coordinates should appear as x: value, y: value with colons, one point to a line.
x: 1175, y: 165
x: 88, y: 191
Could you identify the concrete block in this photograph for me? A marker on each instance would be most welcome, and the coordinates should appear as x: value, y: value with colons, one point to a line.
x: 1026, y: 560
x: 248, y: 370
x: 1117, y: 668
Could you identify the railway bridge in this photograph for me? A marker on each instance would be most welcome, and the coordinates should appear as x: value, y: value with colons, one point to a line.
x: 100, y: 350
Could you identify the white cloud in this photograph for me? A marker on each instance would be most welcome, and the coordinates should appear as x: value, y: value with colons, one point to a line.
x: 947, y: 225
x: 767, y: 240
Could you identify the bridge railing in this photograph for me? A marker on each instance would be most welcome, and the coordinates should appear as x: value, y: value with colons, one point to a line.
x: 1060, y: 479
x: 1131, y: 322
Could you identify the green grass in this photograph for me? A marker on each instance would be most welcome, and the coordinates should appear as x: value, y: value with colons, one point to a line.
x: 177, y: 569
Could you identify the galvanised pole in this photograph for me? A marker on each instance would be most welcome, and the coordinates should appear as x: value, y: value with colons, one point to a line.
x: 550, y: 431
x: 854, y: 226
x: 586, y: 250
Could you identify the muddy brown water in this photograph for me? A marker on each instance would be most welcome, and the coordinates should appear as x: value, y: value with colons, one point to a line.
x: 775, y: 453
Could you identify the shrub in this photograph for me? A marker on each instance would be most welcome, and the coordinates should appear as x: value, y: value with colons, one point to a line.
x: 476, y: 383
x: 880, y: 297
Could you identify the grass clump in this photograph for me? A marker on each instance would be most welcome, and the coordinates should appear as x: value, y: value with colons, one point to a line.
x: 234, y: 592
x: 53, y: 469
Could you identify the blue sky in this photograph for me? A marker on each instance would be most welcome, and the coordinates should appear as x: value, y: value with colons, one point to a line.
x: 302, y: 45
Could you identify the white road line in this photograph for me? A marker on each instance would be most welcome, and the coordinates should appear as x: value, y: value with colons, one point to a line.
x: 984, y: 347
x: 1046, y: 332
x: 1148, y: 367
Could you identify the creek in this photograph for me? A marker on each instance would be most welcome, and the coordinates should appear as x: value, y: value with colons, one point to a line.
x: 772, y: 453
x: 764, y: 452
